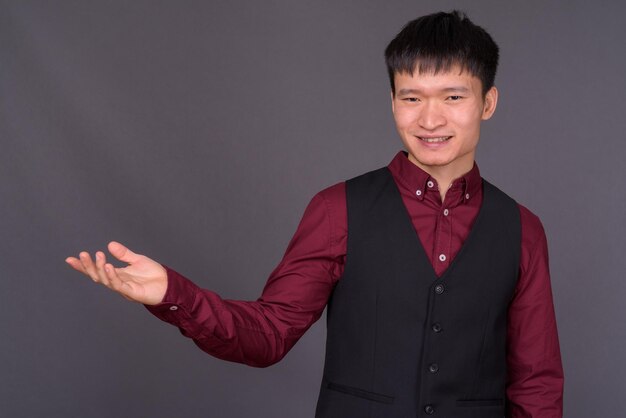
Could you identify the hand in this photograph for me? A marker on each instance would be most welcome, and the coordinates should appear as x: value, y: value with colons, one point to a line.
x: 143, y: 280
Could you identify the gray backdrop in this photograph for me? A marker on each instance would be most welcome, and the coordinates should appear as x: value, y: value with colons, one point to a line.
x: 196, y: 133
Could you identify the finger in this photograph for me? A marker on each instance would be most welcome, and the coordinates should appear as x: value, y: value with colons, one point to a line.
x: 100, y: 262
x: 122, y: 253
x: 75, y: 264
x: 118, y: 284
x: 88, y: 266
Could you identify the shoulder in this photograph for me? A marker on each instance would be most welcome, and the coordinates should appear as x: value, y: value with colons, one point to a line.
x: 379, y: 175
x: 335, y: 194
x: 532, y: 236
x: 497, y: 194
x: 534, y: 248
x: 332, y: 200
x: 532, y: 228
x: 330, y: 205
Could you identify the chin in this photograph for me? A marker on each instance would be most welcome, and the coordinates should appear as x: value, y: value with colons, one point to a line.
x: 425, y: 161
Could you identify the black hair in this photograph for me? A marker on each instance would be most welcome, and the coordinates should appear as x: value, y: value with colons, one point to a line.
x: 437, y: 42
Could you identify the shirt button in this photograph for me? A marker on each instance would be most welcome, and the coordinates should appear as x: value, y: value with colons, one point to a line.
x: 467, y: 196
x: 436, y: 327
x: 429, y: 409
x: 430, y: 184
x: 442, y: 257
x: 173, y: 308
x: 446, y: 212
x: 418, y: 192
x: 433, y: 368
x: 439, y: 289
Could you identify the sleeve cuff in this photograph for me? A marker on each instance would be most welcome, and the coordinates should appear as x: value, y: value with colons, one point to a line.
x: 178, y: 301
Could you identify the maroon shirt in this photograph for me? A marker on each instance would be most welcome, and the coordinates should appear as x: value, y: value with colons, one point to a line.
x: 260, y: 333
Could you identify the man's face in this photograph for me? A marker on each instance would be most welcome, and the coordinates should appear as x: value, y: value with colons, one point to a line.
x: 438, y: 118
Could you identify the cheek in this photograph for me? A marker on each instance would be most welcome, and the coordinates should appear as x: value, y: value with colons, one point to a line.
x: 403, y: 118
x: 470, y: 121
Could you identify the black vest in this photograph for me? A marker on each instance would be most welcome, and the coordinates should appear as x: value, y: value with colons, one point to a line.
x: 402, y: 342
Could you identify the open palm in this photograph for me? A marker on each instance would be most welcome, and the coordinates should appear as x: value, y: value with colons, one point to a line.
x: 143, y: 280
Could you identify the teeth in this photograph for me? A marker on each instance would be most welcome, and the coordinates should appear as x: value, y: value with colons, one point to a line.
x: 434, y: 140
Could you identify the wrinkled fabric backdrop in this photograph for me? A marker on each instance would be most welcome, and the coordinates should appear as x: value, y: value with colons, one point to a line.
x: 196, y: 133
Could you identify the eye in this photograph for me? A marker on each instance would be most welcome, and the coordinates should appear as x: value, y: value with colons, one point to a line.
x: 455, y: 98
x: 411, y: 99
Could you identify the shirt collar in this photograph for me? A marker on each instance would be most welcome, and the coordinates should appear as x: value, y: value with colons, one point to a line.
x: 417, y: 180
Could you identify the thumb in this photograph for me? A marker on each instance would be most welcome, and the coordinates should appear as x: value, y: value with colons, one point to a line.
x: 122, y: 253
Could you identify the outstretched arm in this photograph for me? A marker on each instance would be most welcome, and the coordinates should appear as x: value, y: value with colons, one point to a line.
x: 258, y: 333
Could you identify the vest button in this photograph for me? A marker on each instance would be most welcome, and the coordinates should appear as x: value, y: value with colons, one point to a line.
x: 429, y: 409
x: 433, y: 368
x: 437, y: 327
x: 439, y: 289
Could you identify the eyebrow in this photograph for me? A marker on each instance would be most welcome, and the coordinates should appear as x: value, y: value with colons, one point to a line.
x: 454, y: 89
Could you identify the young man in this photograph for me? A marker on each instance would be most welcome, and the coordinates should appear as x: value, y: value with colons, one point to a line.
x: 437, y: 283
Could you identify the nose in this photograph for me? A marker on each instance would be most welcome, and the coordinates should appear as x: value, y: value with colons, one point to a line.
x: 431, y: 116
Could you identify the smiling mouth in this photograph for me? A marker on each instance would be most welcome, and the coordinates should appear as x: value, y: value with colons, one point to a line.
x: 434, y: 140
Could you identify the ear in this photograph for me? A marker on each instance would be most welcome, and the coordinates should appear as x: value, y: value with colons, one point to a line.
x: 393, y: 107
x: 490, y: 103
